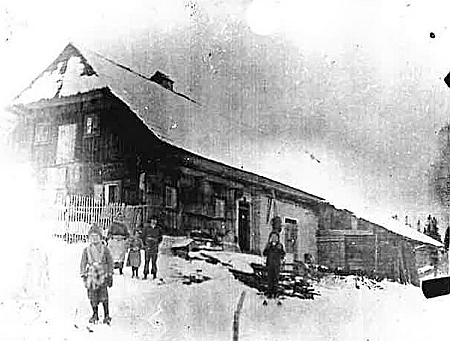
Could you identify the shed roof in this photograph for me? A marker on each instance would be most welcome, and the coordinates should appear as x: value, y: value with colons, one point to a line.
x: 404, y: 230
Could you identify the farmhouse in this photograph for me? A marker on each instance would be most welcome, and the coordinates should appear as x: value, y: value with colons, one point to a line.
x: 93, y: 127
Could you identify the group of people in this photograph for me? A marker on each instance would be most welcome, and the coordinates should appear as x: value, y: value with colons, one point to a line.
x: 99, y: 259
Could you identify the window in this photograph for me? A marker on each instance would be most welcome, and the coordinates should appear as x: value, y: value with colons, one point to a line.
x: 98, y: 192
x: 112, y: 192
x: 43, y: 156
x: 171, y: 197
x: 291, y: 234
x: 57, y: 177
x: 91, y: 125
x: 65, y: 150
x: 142, y: 182
x: 219, y: 209
x: 22, y: 133
x: 42, y: 133
x: 74, y: 175
x: 60, y: 197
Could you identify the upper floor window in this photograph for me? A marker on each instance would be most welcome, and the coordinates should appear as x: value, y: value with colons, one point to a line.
x: 219, y: 209
x: 57, y: 177
x: 43, y: 156
x: 171, y: 197
x: 91, y: 125
x: 42, y: 133
x: 65, y: 149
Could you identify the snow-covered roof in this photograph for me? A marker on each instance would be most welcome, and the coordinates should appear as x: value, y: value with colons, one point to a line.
x: 74, y: 72
x: 160, y: 108
x: 411, y: 233
x: 379, y: 218
x: 68, y: 75
x: 404, y: 230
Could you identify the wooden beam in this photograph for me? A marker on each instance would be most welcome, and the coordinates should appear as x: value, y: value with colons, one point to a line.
x: 73, y: 99
x: 237, y: 313
x: 251, y: 178
x: 331, y: 233
x: 211, y: 178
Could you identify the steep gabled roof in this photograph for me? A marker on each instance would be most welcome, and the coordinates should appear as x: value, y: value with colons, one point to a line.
x: 68, y: 74
x: 74, y: 72
x: 152, y: 99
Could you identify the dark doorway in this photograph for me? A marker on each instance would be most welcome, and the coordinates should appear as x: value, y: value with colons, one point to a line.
x: 244, y: 226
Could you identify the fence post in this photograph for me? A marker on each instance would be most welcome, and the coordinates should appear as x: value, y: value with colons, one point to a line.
x: 237, y: 314
x: 73, y: 217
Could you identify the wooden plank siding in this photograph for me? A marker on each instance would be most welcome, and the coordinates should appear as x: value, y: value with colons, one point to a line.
x: 107, y: 155
x: 186, y: 191
x: 304, y: 216
x: 365, y: 246
x: 331, y: 251
x: 360, y: 252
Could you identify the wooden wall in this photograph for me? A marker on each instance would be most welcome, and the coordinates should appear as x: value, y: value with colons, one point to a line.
x: 396, y: 257
x: 114, y: 153
x: 307, y: 224
x: 331, y: 251
x: 369, y: 248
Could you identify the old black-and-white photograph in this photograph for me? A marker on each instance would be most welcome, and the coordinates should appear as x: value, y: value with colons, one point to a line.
x: 224, y: 170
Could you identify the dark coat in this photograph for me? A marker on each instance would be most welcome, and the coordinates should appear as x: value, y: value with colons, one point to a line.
x: 274, y: 254
x: 118, y: 229
x: 134, y: 255
x: 152, y: 237
x: 106, y: 260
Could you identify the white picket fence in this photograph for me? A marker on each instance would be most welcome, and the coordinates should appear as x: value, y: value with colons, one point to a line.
x: 71, y: 221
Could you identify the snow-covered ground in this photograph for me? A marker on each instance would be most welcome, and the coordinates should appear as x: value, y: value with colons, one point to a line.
x: 49, y: 302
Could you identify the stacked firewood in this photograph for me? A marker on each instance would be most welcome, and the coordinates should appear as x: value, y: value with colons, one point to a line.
x: 290, y: 283
x: 294, y: 278
x: 194, y: 278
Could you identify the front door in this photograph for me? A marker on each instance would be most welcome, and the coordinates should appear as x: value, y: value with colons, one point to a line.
x: 244, y: 226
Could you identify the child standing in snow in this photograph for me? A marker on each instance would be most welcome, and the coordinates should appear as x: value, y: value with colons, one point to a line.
x: 274, y: 251
x: 117, y: 241
x: 134, y: 253
x: 96, y: 270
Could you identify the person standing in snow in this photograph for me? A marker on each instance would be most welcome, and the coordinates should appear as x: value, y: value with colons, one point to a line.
x: 96, y: 269
x: 134, y: 253
x: 151, y: 237
x: 117, y: 241
x: 274, y: 252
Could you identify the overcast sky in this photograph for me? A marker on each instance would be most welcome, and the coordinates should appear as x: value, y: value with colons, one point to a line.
x: 342, y: 99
